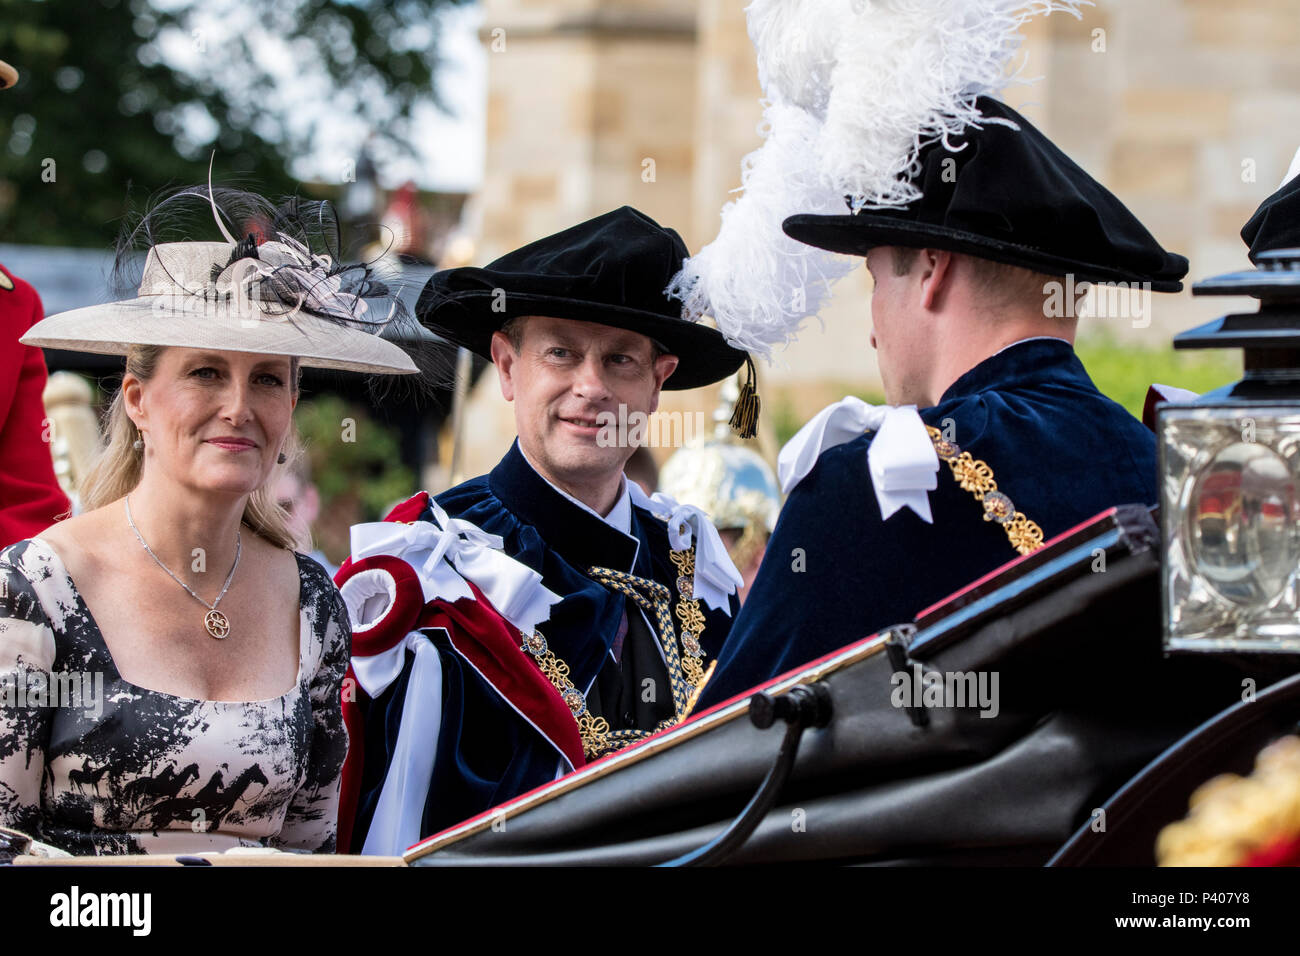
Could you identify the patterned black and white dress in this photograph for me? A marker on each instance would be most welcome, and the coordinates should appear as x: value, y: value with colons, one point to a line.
x: 95, y: 765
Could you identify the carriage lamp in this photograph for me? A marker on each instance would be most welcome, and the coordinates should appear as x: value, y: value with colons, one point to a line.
x: 1230, y: 477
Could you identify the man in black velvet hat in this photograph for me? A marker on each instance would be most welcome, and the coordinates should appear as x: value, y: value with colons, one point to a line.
x: 891, y: 510
x: 583, y: 336
x: 1276, y: 223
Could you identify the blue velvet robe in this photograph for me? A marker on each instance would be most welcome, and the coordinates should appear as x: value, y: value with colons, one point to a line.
x: 488, y: 752
x: 1058, y: 448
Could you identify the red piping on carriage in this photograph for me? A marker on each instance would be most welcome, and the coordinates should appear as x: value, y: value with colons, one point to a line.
x: 1100, y: 516
x: 745, y: 695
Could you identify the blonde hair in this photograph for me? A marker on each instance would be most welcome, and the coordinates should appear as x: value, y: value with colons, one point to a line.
x: 118, y: 467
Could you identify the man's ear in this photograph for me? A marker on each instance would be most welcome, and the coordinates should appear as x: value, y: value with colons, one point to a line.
x: 936, y: 277
x: 664, y: 366
x: 503, y: 357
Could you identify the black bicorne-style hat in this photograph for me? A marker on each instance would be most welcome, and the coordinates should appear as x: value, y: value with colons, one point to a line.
x: 612, y: 270
x: 1276, y: 223
x: 1010, y: 195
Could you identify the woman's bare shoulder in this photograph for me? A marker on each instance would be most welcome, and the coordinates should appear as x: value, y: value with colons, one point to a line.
x: 272, y: 562
x: 82, y: 534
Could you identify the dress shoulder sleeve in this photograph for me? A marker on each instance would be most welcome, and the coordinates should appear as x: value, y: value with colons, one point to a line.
x: 311, y: 822
x: 27, y: 651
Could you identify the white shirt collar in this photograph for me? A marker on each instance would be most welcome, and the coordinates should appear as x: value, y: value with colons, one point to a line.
x: 1032, y: 338
x: 619, y: 517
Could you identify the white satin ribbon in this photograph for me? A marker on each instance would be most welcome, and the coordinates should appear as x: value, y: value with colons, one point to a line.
x: 396, y: 822
x: 901, y: 458
x: 444, y: 556
x: 1172, y: 393
x: 716, y: 577
x: 369, y: 597
x: 448, y: 553
x: 1292, y: 171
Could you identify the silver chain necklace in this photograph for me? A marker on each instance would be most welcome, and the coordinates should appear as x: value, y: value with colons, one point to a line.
x: 216, y: 623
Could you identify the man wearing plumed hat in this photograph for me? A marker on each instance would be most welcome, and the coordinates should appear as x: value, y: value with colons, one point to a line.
x: 994, y: 437
x: 640, y: 591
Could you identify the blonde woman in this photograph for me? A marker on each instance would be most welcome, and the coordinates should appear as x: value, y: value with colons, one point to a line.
x: 207, y: 653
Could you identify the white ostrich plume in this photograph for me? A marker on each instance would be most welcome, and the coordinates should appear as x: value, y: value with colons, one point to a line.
x: 854, y: 89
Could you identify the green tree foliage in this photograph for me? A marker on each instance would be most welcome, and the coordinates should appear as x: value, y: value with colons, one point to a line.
x: 134, y: 95
x: 355, y: 465
x: 359, y: 461
x: 1124, y: 371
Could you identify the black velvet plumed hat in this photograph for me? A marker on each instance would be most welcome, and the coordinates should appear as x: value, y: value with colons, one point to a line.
x: 1276, y: 223
x: 1010, y: 195
x: 612, y: 270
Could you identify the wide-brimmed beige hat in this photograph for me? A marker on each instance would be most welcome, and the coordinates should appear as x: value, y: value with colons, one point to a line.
x: 275, y: 298
x: 8, y: 75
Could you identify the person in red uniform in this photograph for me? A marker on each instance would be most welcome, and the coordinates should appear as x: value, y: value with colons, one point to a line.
x: 30, y: 497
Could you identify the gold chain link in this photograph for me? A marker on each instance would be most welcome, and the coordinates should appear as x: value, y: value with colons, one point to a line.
x: 690, y: 615
x: 976, y: 477
x: 593, y: 730
x: 597, y: 738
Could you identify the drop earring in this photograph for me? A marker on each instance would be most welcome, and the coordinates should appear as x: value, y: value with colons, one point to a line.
x: 281, y: 459
x: 138, y: 444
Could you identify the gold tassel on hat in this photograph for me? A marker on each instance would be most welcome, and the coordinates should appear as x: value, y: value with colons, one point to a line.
x: 744, y: 417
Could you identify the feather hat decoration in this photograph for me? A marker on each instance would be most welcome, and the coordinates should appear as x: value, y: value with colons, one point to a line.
x: 267, y: 292
x: 854, y: 90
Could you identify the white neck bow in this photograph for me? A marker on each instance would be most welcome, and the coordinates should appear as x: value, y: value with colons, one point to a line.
x: 716, y: 577
x: 901, y: 458
x: 453, y: 551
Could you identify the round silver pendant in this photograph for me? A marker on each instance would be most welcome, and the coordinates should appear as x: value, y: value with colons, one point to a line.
x: 217, y: 624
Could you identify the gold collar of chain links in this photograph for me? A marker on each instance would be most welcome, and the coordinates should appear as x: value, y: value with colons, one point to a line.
x: 597, y: 737
x: 976, y: 477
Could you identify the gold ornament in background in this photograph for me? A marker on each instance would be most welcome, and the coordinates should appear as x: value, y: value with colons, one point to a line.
x: 728, y: 480
x: 1232, y: 817
x: 72, y: 430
